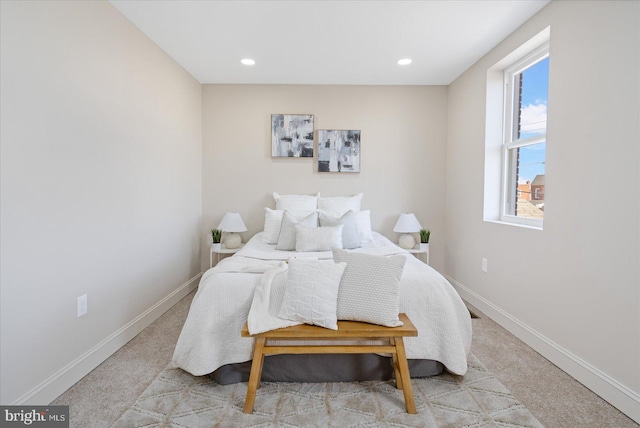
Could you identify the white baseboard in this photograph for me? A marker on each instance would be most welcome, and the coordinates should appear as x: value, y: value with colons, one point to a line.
x: 618, y: 395
x: 62, y: 380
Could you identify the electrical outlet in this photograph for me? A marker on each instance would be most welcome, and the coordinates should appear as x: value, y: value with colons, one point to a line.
x: 82, y: 305
x: 484, y: 264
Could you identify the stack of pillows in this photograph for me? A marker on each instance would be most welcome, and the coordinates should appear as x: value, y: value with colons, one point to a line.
x: 314, y: 223
x: 353, y: 286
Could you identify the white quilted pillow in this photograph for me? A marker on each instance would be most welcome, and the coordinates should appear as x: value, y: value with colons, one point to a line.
x: 318, y: 238
x: 350, y: 237
x: 287, y: 237
x: 340, y: 204
x: 296, y: 202
x: 370, y: 287
x: 312, y: 292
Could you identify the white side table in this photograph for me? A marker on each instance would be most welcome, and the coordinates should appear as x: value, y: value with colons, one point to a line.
x: 219, y: 250
x: 423, y: 249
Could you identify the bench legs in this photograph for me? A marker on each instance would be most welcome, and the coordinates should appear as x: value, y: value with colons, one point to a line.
x: 400, y: 369
x: 254, y: 376
x: 405, y: 379
x: 396, y: 366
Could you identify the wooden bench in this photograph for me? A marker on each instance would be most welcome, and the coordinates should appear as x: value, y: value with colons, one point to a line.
x: 347, y: 330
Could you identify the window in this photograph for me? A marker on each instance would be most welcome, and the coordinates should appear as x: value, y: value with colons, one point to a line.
x: 516, y: 135
x: 525, y: 136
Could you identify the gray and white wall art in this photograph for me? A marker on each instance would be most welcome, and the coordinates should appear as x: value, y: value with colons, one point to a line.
x: 292, y: 135
x: 338, y: 150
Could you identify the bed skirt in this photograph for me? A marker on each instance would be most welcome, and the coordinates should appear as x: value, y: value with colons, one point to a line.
x: 323, y: 368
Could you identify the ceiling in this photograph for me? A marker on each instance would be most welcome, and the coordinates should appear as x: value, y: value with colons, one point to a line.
x: 328, y: 42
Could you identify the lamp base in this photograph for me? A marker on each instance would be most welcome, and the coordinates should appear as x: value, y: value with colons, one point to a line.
x: 231, y: 240
x: 407, y: 241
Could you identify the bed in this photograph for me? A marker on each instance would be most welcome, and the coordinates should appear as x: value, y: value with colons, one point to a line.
x: 228, y: 294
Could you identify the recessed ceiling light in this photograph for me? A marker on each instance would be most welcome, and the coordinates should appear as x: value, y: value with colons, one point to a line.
x: 247, y: 61
x: 404, y: 61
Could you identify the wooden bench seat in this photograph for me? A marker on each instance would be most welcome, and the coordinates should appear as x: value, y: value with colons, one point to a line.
x: 347, y: 330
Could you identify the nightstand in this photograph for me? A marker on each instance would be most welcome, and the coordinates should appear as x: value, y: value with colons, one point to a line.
x: 423, y: 249
x: 219, y: 250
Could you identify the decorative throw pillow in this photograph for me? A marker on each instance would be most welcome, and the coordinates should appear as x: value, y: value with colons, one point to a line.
x: 363, y: 221
x: 296, y: 202
x: 312, y: 292
x: 340, y: 204
x: 318, y: 238
x: 273, y: 222
x: 350, y: 238
x: 370, y: 287
x: 287, y: 237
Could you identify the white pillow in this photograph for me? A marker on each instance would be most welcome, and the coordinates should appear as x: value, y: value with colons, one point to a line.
x: 273, y: 222
x: 370, y: 287
x: 318, y: 238
x: 296, y: 202
x: 350, y: 238
x: 340, y: 204
x: 363, y: 222
x: 287, y: 237
x: 311, y: 292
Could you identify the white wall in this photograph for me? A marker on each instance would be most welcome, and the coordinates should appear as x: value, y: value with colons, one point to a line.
x: 101, y: 188
x: 571, y: 290
x: 402, y: 162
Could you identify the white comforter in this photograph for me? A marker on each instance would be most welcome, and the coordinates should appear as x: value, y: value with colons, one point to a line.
x: 211, y: 337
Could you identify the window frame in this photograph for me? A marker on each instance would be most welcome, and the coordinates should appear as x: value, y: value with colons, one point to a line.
x: 510, y: 140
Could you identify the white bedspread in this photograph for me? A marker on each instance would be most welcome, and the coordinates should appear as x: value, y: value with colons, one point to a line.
x: 211, y: 337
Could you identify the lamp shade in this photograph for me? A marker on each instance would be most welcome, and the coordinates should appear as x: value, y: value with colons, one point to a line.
x: 407, y: 223
x: 232, y: 222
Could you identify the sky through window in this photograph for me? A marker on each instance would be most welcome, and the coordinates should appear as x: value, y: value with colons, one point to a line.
x: 533, y: 119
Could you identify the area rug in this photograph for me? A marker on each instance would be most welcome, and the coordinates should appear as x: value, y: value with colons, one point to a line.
x: 179, y: 400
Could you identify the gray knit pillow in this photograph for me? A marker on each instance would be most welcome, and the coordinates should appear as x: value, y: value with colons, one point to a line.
x: 350, y: 237
x: 287, y: 237
x: 370, y: 287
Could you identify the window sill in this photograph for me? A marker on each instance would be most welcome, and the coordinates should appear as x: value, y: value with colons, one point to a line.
x: 508, y: 223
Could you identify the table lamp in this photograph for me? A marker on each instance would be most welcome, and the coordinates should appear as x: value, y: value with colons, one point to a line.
x: 231, y: 225
x: 407, y: 224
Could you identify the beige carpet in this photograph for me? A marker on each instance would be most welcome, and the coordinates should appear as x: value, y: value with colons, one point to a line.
x: 178, y: 399
x: 552, y: 396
